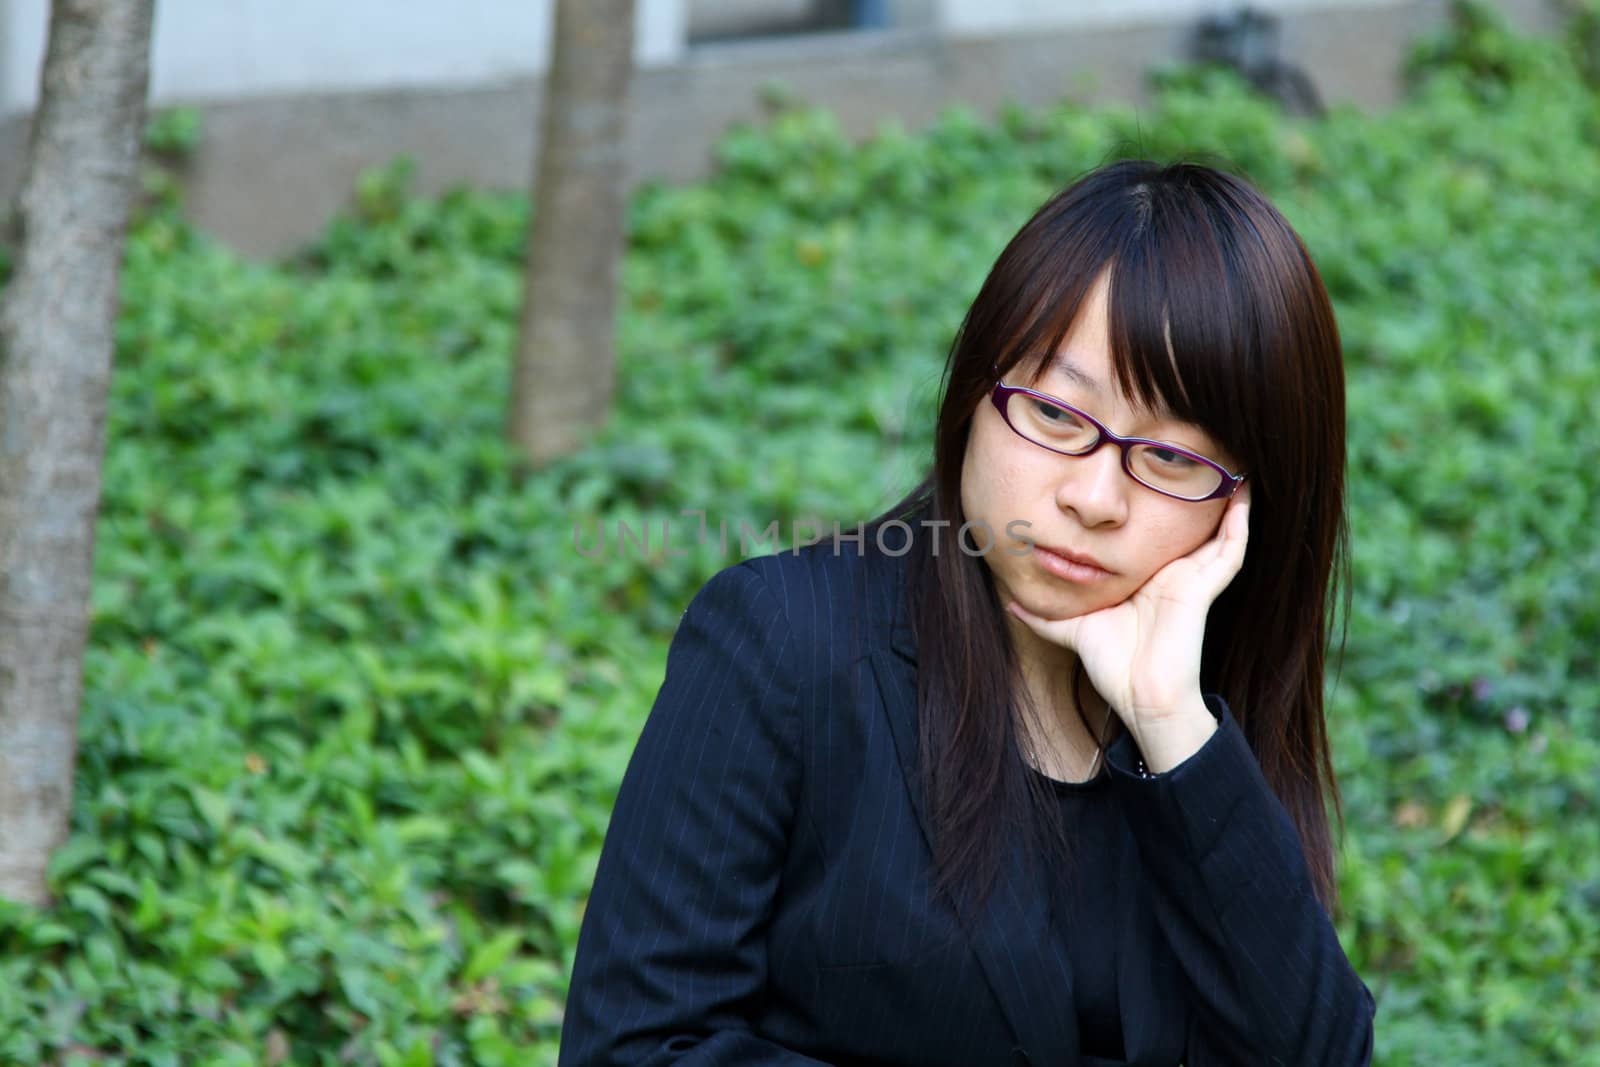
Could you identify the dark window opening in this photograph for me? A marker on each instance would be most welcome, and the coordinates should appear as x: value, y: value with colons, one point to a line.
x: 727, y: 20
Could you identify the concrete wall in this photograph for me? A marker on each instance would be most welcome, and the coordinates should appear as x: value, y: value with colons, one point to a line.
x: 271, y: 169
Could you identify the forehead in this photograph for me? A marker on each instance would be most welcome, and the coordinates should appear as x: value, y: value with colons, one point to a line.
x: 1062, y: 366
x: 1088, y: 374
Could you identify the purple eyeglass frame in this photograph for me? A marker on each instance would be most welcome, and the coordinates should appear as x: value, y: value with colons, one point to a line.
x: 1001, y: 396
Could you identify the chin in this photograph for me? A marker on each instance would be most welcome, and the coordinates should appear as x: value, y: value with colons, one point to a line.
x: 1069, y: 604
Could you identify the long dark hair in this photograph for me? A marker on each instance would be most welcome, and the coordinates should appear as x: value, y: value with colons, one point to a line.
x: 1200, y: 261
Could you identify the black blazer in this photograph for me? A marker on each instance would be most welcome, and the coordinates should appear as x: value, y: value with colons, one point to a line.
x: 762, y: 896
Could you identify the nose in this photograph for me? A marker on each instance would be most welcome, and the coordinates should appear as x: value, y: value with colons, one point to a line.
x: 1095, y: 487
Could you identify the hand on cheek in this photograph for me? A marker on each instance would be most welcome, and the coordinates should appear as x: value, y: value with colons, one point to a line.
x: 1143, y: 654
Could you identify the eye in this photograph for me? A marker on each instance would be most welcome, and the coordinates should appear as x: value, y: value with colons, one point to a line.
x: 1172, y: 458
x: 1057, y: 417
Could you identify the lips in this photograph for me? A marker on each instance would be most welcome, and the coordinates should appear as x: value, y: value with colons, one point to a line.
x: 1073, y: 566
x: 1075, y: 557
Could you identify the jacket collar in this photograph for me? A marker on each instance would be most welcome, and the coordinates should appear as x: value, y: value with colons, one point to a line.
x: 1011, y: 938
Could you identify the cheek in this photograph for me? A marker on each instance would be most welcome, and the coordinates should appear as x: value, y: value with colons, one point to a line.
x: 988, y: 480
x: 972, y: 497
x: 1170, y: 533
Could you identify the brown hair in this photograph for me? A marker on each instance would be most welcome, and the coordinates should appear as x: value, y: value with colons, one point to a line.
x: 1217, y: 312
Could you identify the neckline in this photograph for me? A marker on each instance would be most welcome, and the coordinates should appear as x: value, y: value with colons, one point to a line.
x: 1085, y: 787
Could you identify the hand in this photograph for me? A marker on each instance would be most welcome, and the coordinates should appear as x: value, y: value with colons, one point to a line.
x: 1143, y: 655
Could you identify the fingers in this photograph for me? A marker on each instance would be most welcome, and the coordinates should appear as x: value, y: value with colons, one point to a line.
x: 1228, y: 542
x: 1233, y: 538
x: 1238, y: 520
x: 1217, y: 561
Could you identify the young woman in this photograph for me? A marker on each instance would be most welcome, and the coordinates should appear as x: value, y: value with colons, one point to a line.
x: 1035, y: 769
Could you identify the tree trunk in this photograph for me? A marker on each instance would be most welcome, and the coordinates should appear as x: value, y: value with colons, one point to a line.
x: 565, y: 371
x: 57, y: 327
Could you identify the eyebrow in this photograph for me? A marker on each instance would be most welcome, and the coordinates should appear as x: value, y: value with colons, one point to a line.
x: 1062, y: 363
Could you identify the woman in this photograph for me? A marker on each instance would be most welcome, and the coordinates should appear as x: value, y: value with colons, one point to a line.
x: 1032, y: 771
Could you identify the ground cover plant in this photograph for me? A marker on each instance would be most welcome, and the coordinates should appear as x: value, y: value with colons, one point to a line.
x: 357, y: 704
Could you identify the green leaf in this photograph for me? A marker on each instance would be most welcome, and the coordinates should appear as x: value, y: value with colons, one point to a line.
x: 214, y: 808
x: 489, y: 956
x: 77, y: 854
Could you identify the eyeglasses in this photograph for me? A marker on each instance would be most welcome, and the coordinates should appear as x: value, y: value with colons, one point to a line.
x: 1062, y: 428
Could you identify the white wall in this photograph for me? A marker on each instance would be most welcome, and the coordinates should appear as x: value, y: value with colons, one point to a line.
x: 217, y: 49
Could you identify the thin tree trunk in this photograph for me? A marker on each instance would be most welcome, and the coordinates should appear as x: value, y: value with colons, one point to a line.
x: 565, y: 370
x: 57, y: 325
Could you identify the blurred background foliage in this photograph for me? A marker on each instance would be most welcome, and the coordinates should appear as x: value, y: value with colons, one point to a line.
x: 357, y: 707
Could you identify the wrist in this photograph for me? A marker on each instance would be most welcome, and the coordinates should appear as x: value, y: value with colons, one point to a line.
x: 1169, y: 737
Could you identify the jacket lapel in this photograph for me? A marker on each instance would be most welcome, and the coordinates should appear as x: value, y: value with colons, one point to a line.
x: 1013, y: 934
x: 1011, y: 937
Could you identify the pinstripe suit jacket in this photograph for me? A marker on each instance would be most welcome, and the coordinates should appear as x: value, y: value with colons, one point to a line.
x: 762, y: 896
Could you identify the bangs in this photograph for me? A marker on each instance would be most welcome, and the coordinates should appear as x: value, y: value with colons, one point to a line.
x: 1185, y: 324
x: 1188, y: 308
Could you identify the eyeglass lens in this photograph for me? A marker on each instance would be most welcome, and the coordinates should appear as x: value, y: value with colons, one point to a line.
x: 1164, y: 467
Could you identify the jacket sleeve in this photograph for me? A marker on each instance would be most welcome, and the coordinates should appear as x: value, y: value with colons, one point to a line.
x: 1234, y: 897
x: 671, y: 956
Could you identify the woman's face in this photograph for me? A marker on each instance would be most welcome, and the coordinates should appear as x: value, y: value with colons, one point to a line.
x: 1117, y: 531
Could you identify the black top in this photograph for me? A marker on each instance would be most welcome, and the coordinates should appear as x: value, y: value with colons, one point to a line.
x: 1084, y: 909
